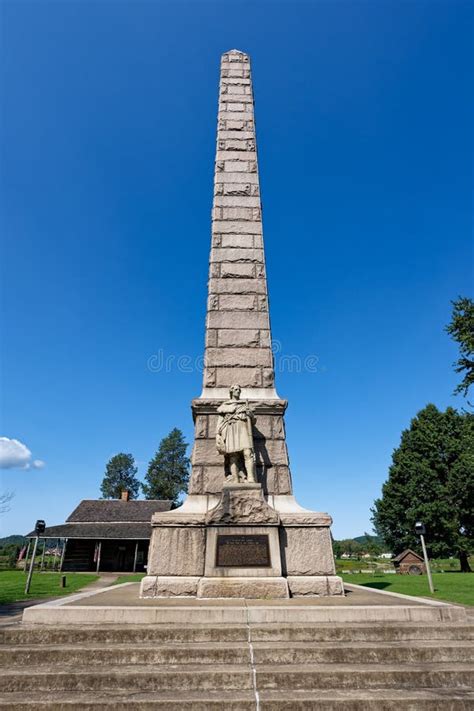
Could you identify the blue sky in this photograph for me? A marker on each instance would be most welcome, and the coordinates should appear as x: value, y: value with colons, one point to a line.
x: 364, y: 122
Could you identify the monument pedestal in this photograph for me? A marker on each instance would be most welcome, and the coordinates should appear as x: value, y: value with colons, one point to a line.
x: 251, y: 588
x: 240, y: 545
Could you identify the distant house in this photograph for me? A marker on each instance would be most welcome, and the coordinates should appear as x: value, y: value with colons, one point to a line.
x: 409, y: 563
x: 386, y: 555
x: 106, y: 534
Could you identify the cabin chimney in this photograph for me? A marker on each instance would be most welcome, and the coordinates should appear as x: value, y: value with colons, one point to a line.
x: 125, y: 495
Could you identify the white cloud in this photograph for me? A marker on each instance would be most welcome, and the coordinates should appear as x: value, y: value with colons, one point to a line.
x: 16, y: 455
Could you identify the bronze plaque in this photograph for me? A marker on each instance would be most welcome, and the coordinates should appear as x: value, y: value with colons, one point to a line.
x: 234, y: 551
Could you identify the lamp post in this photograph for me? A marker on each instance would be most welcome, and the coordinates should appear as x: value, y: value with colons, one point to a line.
x: 39, y: 529
x: 420, y: 530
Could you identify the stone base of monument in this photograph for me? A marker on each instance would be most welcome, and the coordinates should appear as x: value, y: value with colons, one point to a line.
x: 253, y: 588
x: 241, y: 544
x: 315, y: 585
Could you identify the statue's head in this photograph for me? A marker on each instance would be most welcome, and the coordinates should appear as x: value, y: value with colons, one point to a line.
x: 234, y: 392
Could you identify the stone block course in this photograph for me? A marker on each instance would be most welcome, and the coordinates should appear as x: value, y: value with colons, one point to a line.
x: 211, y: 425
x: 244, y: 145
x: 236, y: 155
x: 236, y: 286
x: 237, y: 177
x: 178, y: 551
x: 265, y: 338
x: 212, y: 478
x: 230, y: 254
x: 236, y: 270
x: 211, y: 338
x: 238, y: 319
x: 273, y: 452
x: 237, y: 88
x: 236, y: 166
x: 252, y: 588
x: 242, y: 134
x: 307, y: 550
x: 237, y: 227
x: 237, y: 72
x: 241, y: 241
x: 232, y: 337
x: 200, y: 427
x: 282, y: 481
x: 246, y: 377
x: 236, y: 213
x: 237, y: 302
x: 249, y: 357
x: 242, y: 115
x: 244, y: 200
x: 234, y: 124
x: 315, y: 586
x: 236, y: 107
x: 210, y: 377
x: 204, y: 452
x: 238, y: 80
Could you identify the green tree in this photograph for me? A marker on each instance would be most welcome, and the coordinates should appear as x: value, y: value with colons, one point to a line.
x: 461, y: 328
x: 430, y: 480
x: 120, y: 475
x: 372, y: 545
x: 168, y: 472
x: 351, y: 547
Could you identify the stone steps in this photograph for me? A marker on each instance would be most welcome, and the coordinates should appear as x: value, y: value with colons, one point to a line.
x: 367, y: 676
x: 361, y: 632
x: 204, y: 701
x: 177, y: 678
x: 163, y: 634
x: 323, y: 700
x: 193, y: 677
x: 209, y: 668
x: 368, y: 700
x: 420, y: 652
x: 363, y: 653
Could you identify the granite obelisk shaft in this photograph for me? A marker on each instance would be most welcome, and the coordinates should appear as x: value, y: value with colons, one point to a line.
x: 238, y: 340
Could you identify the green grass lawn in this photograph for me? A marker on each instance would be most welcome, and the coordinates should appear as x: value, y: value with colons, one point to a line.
x: 449, y: 587
x: 12, y: 585
x: 132, y: 578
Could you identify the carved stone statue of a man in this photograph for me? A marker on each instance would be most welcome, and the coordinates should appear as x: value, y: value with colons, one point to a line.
x: 234, y: 437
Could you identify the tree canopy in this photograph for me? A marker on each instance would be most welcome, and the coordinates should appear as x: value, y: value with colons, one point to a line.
x: 461, y: 328
x: 120, y: 475
x: 431, y: 480
x: 168, y: 472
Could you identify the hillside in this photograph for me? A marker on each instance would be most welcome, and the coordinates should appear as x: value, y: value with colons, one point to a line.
x: 363, y: 539
x: 14, y: 540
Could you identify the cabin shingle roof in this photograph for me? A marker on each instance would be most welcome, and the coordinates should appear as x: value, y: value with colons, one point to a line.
x: 108, y: 518
x: 398, y: 558
x: 94, y: 510
x: 98, y: 531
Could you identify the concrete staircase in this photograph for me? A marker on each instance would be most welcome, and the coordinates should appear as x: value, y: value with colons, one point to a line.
x: 266, y: 667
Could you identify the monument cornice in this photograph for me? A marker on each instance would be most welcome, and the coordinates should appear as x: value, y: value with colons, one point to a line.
x: 208, y: 406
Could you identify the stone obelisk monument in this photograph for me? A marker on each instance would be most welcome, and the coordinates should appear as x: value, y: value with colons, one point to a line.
x: 240, y: 532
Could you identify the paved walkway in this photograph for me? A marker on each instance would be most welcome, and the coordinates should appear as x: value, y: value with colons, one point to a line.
x: 12, y: 612
x: 128, y: 596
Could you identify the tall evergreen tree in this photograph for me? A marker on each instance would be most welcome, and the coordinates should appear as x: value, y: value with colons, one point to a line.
x: 168, y: 472
x: 120, y: 475
x: 431, y: 480
x: 461, y: 328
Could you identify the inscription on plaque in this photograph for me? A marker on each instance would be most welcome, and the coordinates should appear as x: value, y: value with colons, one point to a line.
x: 235, y: 551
